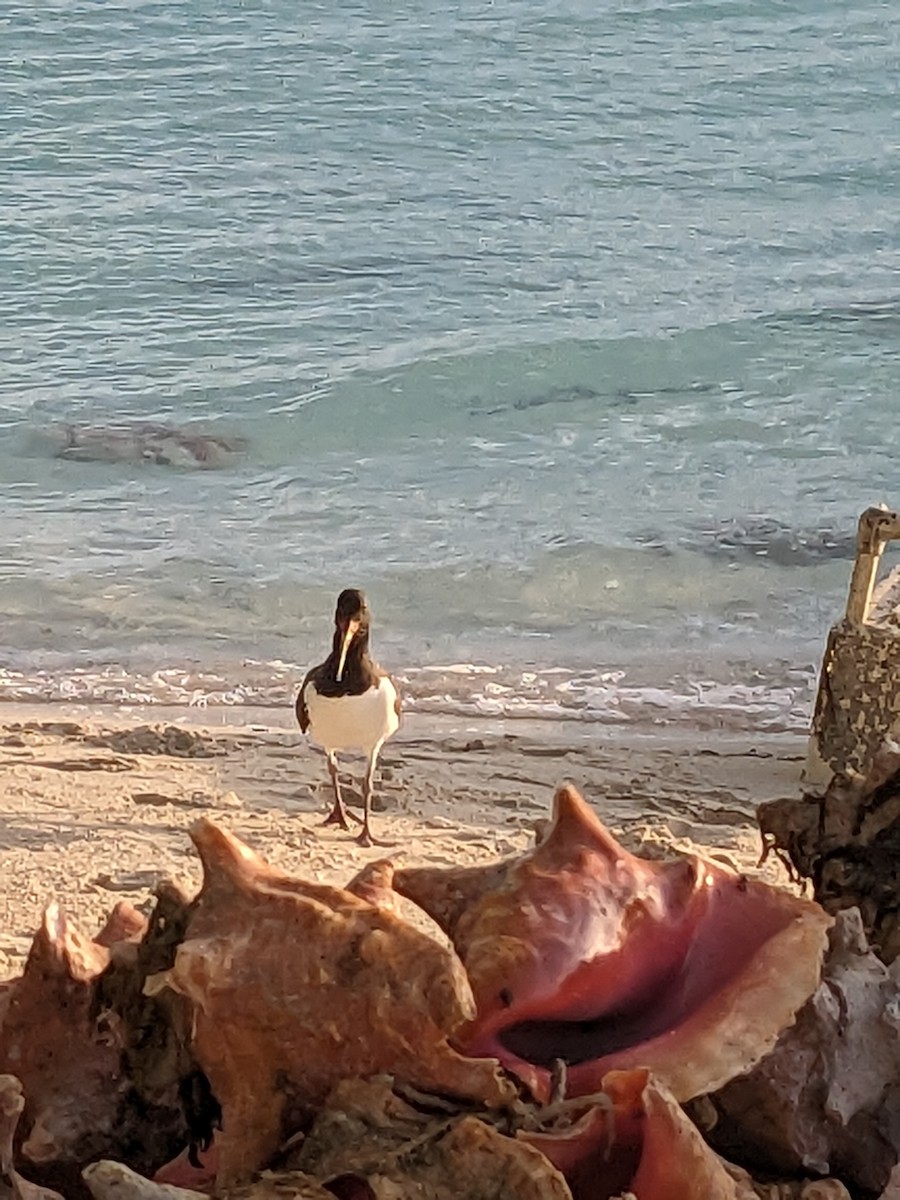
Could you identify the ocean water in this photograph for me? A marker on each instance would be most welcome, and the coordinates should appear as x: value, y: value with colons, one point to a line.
x: 570, y: 332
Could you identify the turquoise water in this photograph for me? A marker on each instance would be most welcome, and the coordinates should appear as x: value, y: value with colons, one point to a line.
x: 573, y: 336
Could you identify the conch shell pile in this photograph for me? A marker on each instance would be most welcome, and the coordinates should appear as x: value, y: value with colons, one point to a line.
x: 274, y: 1035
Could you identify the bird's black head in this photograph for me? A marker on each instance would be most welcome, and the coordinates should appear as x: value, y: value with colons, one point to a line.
x: 351, y: 606
x: 351, y: 626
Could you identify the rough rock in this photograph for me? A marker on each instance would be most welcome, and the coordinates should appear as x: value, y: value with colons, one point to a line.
x: 847, y: 843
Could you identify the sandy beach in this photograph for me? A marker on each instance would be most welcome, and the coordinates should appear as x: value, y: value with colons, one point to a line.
x: 95, y: 802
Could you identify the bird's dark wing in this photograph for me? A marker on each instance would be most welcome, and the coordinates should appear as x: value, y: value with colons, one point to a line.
x: 377, y: 673
x: 300, y: 704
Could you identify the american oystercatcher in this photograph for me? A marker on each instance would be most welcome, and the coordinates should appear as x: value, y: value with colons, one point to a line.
x: 348, y: 703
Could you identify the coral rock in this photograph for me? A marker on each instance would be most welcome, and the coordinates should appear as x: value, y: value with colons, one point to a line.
x: 848, y: 843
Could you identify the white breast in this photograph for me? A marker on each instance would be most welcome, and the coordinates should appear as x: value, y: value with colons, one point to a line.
x: 352, y: 722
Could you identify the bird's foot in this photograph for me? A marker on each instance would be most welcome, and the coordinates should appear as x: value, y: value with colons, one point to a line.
x: 365, y: 838
x: 338, y: 816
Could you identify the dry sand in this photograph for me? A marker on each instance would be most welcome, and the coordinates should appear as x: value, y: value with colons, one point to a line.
x: 95, y: 802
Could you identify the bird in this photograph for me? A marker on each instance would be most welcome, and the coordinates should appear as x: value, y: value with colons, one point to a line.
x: 348, y: 702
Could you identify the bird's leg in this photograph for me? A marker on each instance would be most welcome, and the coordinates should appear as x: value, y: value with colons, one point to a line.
x: 365, y: 835
x: 338, y: 814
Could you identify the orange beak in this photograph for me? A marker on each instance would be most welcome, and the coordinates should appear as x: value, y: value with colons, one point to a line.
x: 349, y: 634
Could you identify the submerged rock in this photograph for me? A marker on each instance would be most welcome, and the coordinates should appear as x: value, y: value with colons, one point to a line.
x: 140, y: 442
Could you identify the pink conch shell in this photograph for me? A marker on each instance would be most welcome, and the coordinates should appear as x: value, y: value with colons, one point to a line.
x: 581, y: 951
x: 640, y: 1144
x: 70, y: 1069
x: 296, y: 985
x: 825, y: 1099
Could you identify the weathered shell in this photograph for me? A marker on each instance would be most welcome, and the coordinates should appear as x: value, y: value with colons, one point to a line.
x: 296, y: 985
x: 68, y: 1065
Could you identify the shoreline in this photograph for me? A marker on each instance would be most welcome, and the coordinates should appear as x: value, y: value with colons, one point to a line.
x: 741, y: 696
x: 95, y: 801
